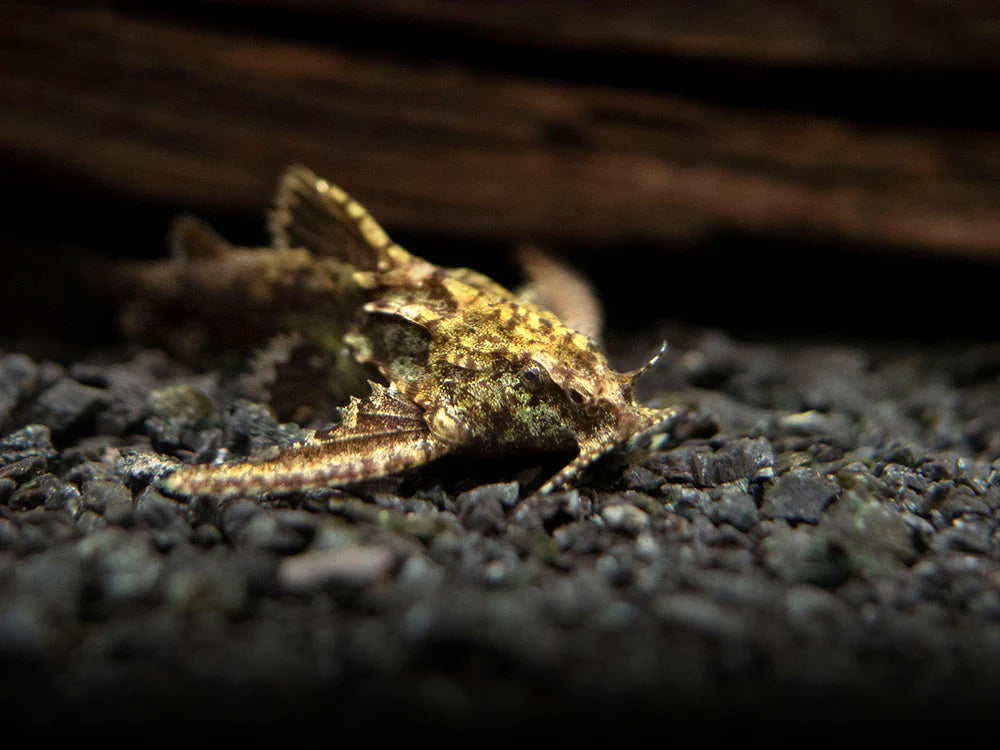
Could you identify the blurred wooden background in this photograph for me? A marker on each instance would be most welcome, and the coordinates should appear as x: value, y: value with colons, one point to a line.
x: 849, y: 128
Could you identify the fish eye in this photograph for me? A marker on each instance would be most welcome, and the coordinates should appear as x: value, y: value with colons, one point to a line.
x: 531, y: 375
x: 575, y: 396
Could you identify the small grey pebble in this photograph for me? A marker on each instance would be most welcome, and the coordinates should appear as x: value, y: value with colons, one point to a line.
x: 129, y: 564
x: 901, y: 452
x: 820, y: 616
x: 674, y: 465
x: 99, y: 494
x: 506, y: 493
x: 641, y: 478
x: 625, y: 519
x: 735, y: 508
x: 799, y: 495
x: 120, y: 511
x: 89, y: 522
x: 90, y: 470
x: 404, y: 504
x: 898, y: 478
x: 757, y: 591
x: 966, y: 534
x: 23, y: 470
x: 206, y: 535
x: 696, y: 613
x: 618, y: 570
x: 748, y: 459
x: 216, y: 584
x: 265, y: 531
x: 176, y: 413
x: 482, y: 509
x: 66, y: 403
x: 687, y: 499
x: 873, y: 533
x: 44, y: 490
x: 159, y: 512
x: 32, y: 441
x: 235, y: 515
x: 938, y: 467
x: 959, y: 500
x: 548, y: 511
x: 252, y: 427
x: 581, y: 537
x: 804, y: 555
x: 992, y: 498
x: 355, y: 566
x: 67, y: 498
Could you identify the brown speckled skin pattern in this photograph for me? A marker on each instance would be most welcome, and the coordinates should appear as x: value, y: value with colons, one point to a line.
x: 467, y: 366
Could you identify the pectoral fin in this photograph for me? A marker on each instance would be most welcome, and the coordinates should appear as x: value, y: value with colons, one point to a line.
x: 644, y: 423
x: 556, y: 286
x: 379, y: 436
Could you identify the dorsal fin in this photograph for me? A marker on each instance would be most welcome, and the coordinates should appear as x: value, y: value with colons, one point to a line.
x: 315, y: 214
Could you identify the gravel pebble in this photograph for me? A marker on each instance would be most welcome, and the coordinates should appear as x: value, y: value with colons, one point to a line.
x: 220, y: 587
x: 792, y: 541
x: 548, y: 511
x: 282, y: 532
x: 965, y: 535
x: 638, y: 477
x: 737, y: 509
x: 955, y: 501
x: 251, y: 427
x: 482, y: 509
x: 354, y: 567
x: 699, y: 614
x: 127, y: 387
x: 625, y: 519
x: 98, y: 495
x: 31, y: 442
x: 742, y: 459
x: 66, y: 404
x: 799, y: 495
x: 804, y: 555
x: 42, y: 490
x: 176, y: 412
x: 126, y: 566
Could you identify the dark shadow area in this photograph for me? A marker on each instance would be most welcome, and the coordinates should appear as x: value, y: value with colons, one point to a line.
x: 904, y: 96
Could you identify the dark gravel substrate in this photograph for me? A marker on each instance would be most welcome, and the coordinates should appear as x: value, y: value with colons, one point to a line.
x: 816, y: 540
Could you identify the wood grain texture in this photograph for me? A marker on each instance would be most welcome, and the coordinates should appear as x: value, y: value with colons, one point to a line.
x: 207, y: 118
x: 864, y: 35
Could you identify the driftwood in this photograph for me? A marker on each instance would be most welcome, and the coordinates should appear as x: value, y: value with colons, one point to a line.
x: 861, y: 35
x: 207, y: 116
